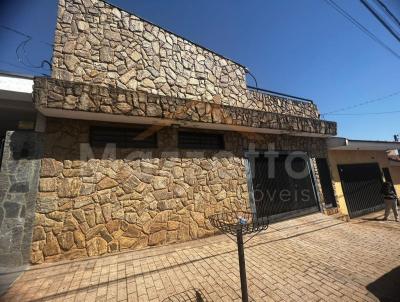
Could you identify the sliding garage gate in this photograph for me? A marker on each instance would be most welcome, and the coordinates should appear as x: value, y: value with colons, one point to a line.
x: 279, y: 195
x: 361, y: 184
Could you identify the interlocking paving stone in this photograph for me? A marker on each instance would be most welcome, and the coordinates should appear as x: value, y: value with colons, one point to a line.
x: 311, y: 258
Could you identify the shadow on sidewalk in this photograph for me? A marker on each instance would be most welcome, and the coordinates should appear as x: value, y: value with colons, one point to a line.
x: 387, y: 287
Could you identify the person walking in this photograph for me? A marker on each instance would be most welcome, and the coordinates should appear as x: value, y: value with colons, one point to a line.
x: 390, y: 197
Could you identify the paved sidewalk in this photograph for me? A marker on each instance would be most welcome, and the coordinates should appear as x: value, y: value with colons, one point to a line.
x: 310, y: 258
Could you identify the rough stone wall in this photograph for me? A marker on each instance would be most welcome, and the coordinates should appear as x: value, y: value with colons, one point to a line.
x: 143, y: 197
x: 19, y: 177
x: 58, y: 94
x: 98, y: 43
x: 92, y: 207
x: 271, y: 103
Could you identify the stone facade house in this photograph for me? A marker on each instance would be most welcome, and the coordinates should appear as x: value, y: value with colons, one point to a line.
x: 145, y: 135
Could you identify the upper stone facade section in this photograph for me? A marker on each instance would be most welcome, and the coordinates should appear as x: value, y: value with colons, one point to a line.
x: 100, y: 44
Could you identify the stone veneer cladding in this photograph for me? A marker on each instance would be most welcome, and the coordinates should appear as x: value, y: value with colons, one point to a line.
x: 140, y: 198
x: 98, y: 43
x: 19, y: 178
x: 58, y: 94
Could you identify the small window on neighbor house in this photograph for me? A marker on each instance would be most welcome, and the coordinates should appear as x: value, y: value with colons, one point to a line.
x: 122, y: 137
x: 200, y: 140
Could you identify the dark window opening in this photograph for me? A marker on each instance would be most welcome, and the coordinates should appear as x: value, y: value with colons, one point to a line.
x: 122, y: 137
x: 200, y: 140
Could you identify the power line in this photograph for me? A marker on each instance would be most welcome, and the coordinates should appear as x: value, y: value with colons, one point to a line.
x: 361, y: 27
x: 21, y: 67
x: 18, y: 32
x: 20, y: 51
x: 388, y: 12
x: 362, y: 103
x: 379, y: 18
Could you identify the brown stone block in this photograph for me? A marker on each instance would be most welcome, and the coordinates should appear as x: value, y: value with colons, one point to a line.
x: 113, y: 226
x: 172, y: 225
x: 158, y: 238
x: 79, y: 215
x: 96, y: 246
x: 69, y: 187
x: 38, y: 234
x: 79, y: 239
x: 50, y: 167
x: 47, y: 185
x: 75, y: 254
x: 162, y: 194
x: 172, y: 236
x: 133, y: 231
x: 51, y: 247
x: 106, y: 183
x: 66, y: 240
x: 91, y: 233
x: 183, y: 233
x: 126, y: 242
x: 37, y: 257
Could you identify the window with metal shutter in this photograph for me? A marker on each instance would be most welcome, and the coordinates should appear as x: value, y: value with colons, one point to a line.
x: 122, y: 137
x: 200, y: 140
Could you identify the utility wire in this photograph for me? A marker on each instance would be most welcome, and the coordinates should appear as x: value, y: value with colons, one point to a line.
x: 18, y: 32
x: 362, y: 103
x: 21, y: 67
x: 20, y: 51
x: 361, y: 27
x: 388, y: 12
x: 379, y: 18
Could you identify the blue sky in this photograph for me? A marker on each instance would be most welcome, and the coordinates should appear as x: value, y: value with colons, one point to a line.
x: 303, y: 48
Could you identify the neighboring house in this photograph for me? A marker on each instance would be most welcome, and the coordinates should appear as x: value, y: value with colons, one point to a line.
x: 358, y: 168
x: 190, y: 140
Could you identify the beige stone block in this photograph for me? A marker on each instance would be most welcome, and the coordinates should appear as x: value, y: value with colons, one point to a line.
x: 126, y: 242
x: 106, y: 183
x: 160, y: 182
x: 47, y: 185
x: 79, y: 239
x: 69, y: 187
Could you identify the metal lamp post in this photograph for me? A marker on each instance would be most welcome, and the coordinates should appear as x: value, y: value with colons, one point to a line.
x: 238, y: 224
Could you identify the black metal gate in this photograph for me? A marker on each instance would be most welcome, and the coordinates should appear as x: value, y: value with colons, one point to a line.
x: 280, y: 195
x: 326, y: 182
x: 361, y: 184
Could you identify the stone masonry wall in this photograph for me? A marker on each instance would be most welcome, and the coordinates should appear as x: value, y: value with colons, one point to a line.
x: 271, y: 103
x: 19, y: 176
x: 96, y: 206
x: 142, y: 197
x: 98, y: 43
x: 58, y: 94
